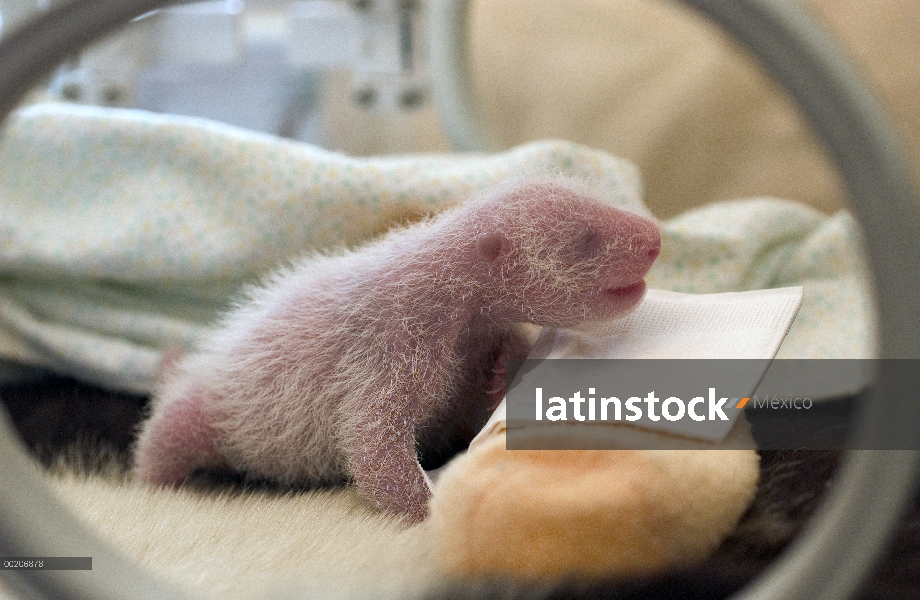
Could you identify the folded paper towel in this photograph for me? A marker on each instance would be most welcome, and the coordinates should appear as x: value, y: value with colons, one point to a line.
x: 672, y: 325
x: 665, y: 324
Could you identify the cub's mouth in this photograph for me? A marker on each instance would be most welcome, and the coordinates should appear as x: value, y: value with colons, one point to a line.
x: 619, y: 300
x: 633, y: 290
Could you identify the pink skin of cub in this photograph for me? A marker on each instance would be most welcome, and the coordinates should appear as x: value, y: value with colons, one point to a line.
x: 346, y: 366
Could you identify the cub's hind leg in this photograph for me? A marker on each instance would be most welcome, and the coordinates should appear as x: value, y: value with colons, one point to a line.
x: 177, y: 439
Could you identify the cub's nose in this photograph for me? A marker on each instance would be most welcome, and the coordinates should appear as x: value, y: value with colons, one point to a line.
x: 646, y: 240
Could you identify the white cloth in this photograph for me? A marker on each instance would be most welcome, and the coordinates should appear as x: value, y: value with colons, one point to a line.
x: 124, y: 233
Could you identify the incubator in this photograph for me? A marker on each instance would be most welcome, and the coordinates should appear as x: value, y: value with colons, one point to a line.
x: 401, y: 56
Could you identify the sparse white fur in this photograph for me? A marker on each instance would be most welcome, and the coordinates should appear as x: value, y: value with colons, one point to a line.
x: 335, y: 366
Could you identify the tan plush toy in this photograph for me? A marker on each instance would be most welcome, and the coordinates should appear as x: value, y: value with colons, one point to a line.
x: 550, y: 514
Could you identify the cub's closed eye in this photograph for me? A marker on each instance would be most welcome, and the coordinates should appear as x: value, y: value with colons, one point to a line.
x: 588, y: 242
x: 490, y: 245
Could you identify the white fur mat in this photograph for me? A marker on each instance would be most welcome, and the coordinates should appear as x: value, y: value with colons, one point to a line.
x: 324, y: 543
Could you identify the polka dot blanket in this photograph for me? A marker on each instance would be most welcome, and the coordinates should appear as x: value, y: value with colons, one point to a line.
x: 124, y: 233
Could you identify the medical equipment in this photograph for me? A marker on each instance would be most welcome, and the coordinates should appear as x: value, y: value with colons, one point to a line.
x: 843, y: 539
x: 379, y: 42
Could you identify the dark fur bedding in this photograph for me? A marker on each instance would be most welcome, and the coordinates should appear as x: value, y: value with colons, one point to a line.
x: 55, y: 415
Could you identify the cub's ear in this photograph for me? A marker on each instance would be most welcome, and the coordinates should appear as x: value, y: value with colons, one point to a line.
x: 491, y: 245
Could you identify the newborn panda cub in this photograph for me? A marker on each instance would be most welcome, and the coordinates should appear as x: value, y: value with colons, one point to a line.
x: 348, y: 366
